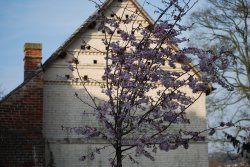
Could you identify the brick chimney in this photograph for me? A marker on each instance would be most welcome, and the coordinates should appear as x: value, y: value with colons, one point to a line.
x: 32, y: 58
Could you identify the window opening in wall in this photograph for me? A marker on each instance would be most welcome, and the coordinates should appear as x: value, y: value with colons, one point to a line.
x: 85, y: 77
x: 149, y: 63
x: 67, y: 76
x: 83, y: 47
x: 112, y: 15
x: 92, y: 25
x: 132, y: 32
x: 118, y: 31
x: 103, y: 31
x: 95, y: 61
x: 62, y: 55
x: 127, y: 16
x: 88, y: 47
x: 103, y: 78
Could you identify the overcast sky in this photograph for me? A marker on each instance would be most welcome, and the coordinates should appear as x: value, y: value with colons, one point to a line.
x: 49, y: 22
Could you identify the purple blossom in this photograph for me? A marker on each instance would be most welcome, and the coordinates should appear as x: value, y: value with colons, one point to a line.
x: 160, y: 31
x: 71, y: 67
x: 100, y: 26
x: 186, y: 67
x: 115, y: 46
x: 164, y: 146
x: 87, y: 131
x: 113, y: 23
x: 170, y: 117
x: 137, y: 71
x: 124, y: 35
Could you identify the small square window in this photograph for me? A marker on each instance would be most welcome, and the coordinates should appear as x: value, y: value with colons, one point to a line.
x: 83, y: 47
x: 103, y: 31
x: 133, y: 32
x: 112, y: 15
x: 63, y: 54
x: 107, y: 48
x: 92, y: 25
x: 127, y: 16
x: 67, y: 76
x: 88, y: 47
x: 95, y: 61
x: 149, y: 63
x: 85, y: 78
x: 118, y: 31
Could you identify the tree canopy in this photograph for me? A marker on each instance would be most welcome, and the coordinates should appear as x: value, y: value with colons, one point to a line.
x: 144, y: 101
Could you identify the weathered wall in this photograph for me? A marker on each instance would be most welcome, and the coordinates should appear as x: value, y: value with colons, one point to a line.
x: 64, y: 149
x: 21, y: 139
x: 67, y: 155
x: 62, y: 108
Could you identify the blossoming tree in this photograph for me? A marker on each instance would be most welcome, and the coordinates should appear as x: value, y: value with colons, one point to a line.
x: 143, y: 101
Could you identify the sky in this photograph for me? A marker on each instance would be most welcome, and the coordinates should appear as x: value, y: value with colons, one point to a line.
x: 49, y: 22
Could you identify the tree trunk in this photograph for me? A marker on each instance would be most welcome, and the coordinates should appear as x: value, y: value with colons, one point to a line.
x: 119, y: 138
x: 119, y: 155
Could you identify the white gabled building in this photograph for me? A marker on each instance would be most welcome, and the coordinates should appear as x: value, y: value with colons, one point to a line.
x: 61, y: 108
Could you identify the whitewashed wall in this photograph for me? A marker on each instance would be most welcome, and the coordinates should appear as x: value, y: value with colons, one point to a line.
x: 61, y: 108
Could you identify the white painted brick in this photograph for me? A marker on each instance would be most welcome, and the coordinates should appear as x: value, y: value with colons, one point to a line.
x: 67, y: 155
x: 61, y: 108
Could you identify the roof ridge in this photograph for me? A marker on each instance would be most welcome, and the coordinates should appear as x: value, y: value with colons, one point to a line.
x: 86, y: 23
x: 81, y: 28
